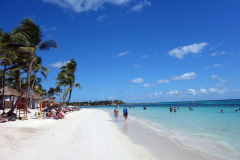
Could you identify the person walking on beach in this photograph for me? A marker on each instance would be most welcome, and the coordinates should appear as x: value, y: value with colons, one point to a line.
x: 116, y: 113
x: 125, y: 113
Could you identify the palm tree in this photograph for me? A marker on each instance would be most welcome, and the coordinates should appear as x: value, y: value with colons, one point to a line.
x: 39, y: 90
x: 7, y: 54
x: 51, y: 92
x: 12, y: 79
x: 28, y: 37
x: 58, y: 91
x: 44, y: 71
x: 67, y: 78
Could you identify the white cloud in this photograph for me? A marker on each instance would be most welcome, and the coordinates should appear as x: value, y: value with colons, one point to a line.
x: 222, y: 52
x: 131, y: 86
x: 86, y: 5
x: 180, y: 52
x: 214, y: 76
x: 99, y: 89
x: 215, y: 90
x: 137, y: 66
x: 148, y: 85
x: 214, y: 54
x: 163, y: 81
x: 158, y: 94
x: 110, y: 97
x: 102, y: 17
x: 138, y: 80
x: 145, y: 56
x: 173, y: 92
x: 217, y: 65
x: 185, y: 76
x: 123, y: 54
x: 203, y: 90
x: 218, y: 77
x: 139, y: 7
x: 59, y: 64
x: 191, y: 91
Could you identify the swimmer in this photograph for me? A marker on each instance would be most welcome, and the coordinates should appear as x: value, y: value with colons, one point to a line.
x: 170, y: 109
x: 175, y: 109
x: 178, y: 107
x: 236, y: 110
x: 221, y: 111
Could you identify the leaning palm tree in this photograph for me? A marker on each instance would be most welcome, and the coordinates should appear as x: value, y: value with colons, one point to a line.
x: 28, y: 37
x: 67, y: 78
x: 70, y: 81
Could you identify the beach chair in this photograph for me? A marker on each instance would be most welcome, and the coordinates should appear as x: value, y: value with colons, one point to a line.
x: 37, y: 114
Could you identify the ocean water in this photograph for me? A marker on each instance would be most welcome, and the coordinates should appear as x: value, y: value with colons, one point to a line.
x: 203, y: 128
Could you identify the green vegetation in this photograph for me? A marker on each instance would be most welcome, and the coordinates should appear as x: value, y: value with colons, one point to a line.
x: 18, y: 56
x: 96, y: 103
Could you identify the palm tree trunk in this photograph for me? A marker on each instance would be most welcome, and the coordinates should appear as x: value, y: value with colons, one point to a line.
x: 64, y: 97
x: 69, y: 96
x: 19, y: 79
x: 3, y: 85
x: 30, y: 102
x: 60, y: 96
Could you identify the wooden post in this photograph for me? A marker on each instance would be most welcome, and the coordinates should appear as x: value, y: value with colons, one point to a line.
x: 40, y: 110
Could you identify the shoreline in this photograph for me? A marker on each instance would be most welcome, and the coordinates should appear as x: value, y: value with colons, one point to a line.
x: 88, y: 134
x: 160, y: 146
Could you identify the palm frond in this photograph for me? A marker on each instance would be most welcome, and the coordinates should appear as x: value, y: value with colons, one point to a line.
x: 77, y: 85
x: 46, y: 45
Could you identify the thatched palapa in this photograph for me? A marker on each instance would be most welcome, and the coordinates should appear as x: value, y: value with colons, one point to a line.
x: 9, y: 91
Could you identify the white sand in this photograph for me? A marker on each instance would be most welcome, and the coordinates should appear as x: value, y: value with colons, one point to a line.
x: 89, y: 134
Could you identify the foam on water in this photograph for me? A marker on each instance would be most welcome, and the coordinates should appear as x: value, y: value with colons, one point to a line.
x: 204, y: 128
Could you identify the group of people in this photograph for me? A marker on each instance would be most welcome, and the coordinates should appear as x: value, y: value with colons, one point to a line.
x: 125, y: 113
x: 223, y: 111
x: 57, y: 113
x: 175, y: 109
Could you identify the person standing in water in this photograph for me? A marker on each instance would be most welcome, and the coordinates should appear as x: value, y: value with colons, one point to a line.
x: 125, y: 113
x: 170, y: 109
x: 175, y: 109
x: 116, y: 113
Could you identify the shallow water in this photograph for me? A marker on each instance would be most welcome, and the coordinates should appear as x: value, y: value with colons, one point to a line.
x: 203, y: 128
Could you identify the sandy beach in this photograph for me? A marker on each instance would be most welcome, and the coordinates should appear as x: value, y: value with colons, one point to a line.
x: 89, y: 134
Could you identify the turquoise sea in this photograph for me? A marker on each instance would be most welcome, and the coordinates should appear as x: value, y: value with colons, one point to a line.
x: 203, y: 128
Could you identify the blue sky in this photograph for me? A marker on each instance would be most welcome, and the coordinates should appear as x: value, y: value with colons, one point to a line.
x: 139, y: 50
